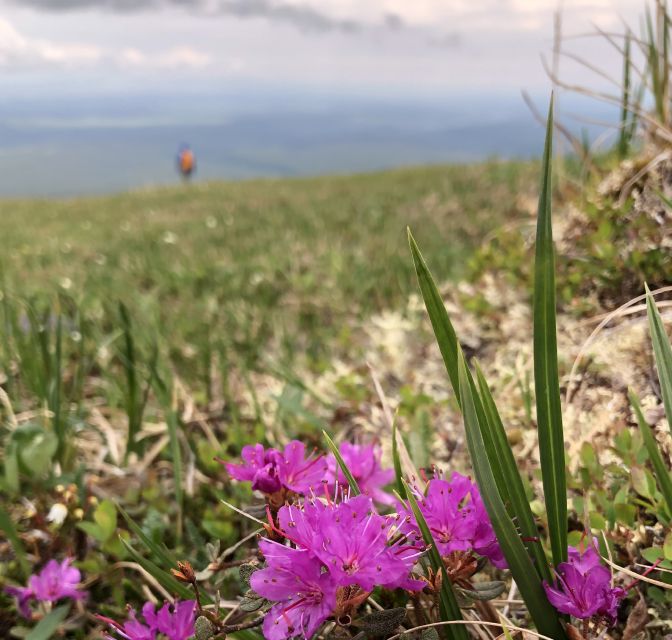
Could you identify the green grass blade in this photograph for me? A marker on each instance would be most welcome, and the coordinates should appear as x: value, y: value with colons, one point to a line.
x: 7, y: 526
x: 167, y: 581
x: 354, y: 487
x: 545, y: 617
x: 47, y: 627
x: 129, y: 363
x: 497, y: 448
x: 663, y: 478
x: 158, y: 553
x: 662, y: 353
x: 398, y: 474
x: 623, y: 137
x: 448, y: 605
x: 438, y: 316
x: 172, y: 422
x: 504, y: 459
x: 547, y: 385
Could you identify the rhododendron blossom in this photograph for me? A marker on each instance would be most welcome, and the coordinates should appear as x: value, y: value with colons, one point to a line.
x: 173, y: 621
x: 457, y: 518
x: 583, y: 587
x: 56, y: 581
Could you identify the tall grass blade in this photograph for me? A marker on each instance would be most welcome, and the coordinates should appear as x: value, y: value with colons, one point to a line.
x: 354, y: 487
x: 623, y: 137
x: 438, y: 316
x: 448, y: 605
x: 56, y: 382
x: 520, y: 506
x: 132, y: 386
x: 663, y: 478
x: 662, y: 353
x: 172, y: 422
x: 547, y: 385
x: 398, y: 473
x: 520, y: 564
x: 502, y: 462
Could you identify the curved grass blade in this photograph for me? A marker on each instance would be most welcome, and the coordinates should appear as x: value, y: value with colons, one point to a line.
x: 545, y: 617
x: 663, y: 478
x: 502, y: 463
x: 398, y: 474
x: 547, y: 384
x: 450, y: 609
x: 662, y: 353
x: 354, y: 487
x: 47, y: 627
x: 520, y: 505
x: 438, y: 316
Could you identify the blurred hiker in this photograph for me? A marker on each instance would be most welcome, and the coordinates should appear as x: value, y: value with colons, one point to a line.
x: 186, y: 161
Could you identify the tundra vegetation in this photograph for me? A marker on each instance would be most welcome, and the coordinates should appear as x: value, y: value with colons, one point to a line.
x: 247, y: 410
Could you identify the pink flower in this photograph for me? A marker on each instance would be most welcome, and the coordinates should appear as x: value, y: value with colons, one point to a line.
x: 174, y: 621
x: 352, y: 542
x: 457, y: 518
x: 305, y: 595
x: 583, y: 587
x: 363, y: 461
x: 269, y: 470
x: 259, y: 467
x: 56, y: 581
x: 298, y: 473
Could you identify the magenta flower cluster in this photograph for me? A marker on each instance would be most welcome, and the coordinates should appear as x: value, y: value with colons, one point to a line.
x: 582, y: 587
x: 334, y: 545
x: 56, y: 581
x: 457, y: 518
x: 270, y: 470
x: 171, y: 621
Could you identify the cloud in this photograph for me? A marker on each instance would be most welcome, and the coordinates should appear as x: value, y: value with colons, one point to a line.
x: 304, y: 16
x: 19, y: 51
x: 176, y: 58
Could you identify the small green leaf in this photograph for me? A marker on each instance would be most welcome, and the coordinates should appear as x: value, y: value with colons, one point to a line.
x: 354, y: 487
x: 37, y: 454
x: 667, y: 546
x: 381, y: 623
x: 105, y: 517
x: 46, y: 627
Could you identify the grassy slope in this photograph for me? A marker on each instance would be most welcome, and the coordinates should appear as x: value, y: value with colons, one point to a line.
x: 285, y: 260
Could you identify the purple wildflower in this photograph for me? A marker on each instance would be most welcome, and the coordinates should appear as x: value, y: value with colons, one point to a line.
x: 353, y: 544
x: 269, y: 470
x: 583, y: 587
x: 305, y: 595
x: 363, y: 461
x: 259, y: 467
x: 298, y: 473
x: 54, y: 582
x: 457, y: 518
x: 174, y: 621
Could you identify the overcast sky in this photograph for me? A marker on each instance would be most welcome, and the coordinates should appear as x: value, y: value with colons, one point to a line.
x: 402, y: 46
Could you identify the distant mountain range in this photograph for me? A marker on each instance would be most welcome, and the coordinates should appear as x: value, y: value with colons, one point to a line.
x: 77, y: 145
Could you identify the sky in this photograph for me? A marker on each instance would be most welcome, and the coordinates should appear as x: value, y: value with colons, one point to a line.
x: 401, y: 47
